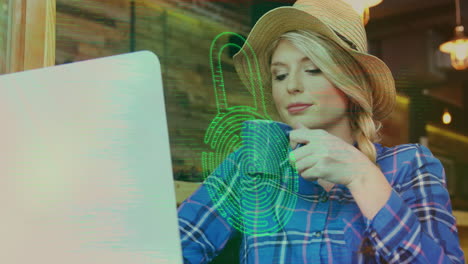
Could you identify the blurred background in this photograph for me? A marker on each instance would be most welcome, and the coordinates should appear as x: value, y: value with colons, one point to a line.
x: 432, y: 85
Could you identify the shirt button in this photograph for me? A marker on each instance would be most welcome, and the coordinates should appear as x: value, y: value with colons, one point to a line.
x: 318, y: 234
x: 324, y: 198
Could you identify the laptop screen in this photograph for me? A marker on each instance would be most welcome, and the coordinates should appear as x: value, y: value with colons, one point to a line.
x: 85, y: 164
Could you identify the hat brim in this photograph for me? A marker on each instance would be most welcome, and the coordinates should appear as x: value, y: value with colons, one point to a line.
x: 283, y: 19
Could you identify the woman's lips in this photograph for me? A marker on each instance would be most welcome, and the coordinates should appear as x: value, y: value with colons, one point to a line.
x: 298, y: 108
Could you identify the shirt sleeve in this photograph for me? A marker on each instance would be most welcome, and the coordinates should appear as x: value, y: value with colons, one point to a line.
x: 204, y: 223
x: 416, y: 224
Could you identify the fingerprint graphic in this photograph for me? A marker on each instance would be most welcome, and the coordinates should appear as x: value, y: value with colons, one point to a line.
x: 257, y: 194
x: 249, y: 187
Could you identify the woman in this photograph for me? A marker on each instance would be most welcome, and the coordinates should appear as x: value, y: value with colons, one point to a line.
x: 357, y: 201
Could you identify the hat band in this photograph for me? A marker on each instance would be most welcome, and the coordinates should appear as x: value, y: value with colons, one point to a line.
x: 351, y: 44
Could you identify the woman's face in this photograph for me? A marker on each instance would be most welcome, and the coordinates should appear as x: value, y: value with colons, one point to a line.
x: 302, y: 93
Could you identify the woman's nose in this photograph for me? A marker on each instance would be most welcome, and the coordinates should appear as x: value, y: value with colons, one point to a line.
x: 295, y: 84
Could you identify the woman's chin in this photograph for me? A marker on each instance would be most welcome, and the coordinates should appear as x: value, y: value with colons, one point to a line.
x: 304, y: 121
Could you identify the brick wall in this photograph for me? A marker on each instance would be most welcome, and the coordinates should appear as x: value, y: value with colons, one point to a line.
x: 181, y: 37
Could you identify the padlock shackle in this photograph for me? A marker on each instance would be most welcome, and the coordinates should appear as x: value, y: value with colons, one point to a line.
x: 218, y: 78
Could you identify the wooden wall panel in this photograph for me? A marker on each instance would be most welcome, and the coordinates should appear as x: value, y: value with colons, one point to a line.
x: 395, y: 127
x: 4, y: 15
x: 89, y: 29
x: 31, y: 35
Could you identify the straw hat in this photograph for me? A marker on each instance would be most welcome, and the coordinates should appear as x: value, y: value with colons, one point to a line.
x: 333, y: 19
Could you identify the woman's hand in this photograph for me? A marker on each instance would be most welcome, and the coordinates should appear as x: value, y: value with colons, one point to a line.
x: 327, y: 157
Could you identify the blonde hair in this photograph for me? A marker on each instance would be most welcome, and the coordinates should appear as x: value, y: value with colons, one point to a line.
x: 341, y: 69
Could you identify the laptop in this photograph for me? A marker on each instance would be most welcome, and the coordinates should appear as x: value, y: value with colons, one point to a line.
x: 85, y: 164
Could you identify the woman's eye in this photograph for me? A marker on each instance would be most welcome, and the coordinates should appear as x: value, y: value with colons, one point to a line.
x: 280, y: 77
x: 314, y: 71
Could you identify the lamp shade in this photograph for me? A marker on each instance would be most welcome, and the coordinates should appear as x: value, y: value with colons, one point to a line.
x: 362, y: 7
x: 371, y: 3
x: 458, y: 49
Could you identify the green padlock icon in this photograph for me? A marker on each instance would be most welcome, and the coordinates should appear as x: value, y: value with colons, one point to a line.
x: 254, y: 197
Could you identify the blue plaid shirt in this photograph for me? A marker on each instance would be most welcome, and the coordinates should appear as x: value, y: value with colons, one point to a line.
x: 416, y: 224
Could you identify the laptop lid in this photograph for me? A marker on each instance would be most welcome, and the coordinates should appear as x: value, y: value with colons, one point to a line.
x: 85, y: 165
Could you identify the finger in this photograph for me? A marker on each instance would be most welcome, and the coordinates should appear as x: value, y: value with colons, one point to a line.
x: 310, y: 174
x: 300, y: 153
x: 306, y: 156
x: 292, y: 159
x: 297, y: 126
x: 306, y: 163
x: 299, y: 136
